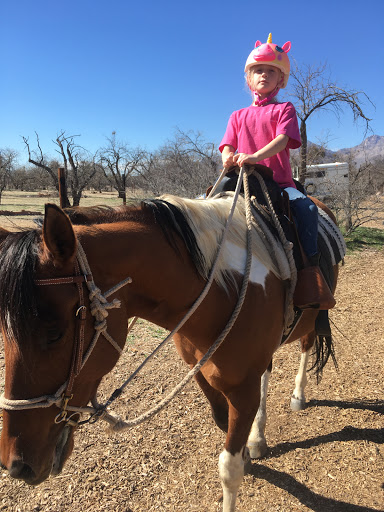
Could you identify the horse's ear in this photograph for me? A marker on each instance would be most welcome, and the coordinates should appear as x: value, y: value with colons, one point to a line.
x: 58, y: 235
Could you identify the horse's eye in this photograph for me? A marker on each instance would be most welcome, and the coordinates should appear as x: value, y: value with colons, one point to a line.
x: 53, y: 336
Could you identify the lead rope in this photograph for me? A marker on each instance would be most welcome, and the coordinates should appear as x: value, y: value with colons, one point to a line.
x: 99, y: 306
x: 289, y: 313
x: 118, y: 425
x: 99, y: 411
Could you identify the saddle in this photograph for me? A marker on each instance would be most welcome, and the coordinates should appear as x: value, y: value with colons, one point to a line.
x: 329, y: 248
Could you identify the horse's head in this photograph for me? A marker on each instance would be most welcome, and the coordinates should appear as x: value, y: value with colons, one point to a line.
x: 47, y: 329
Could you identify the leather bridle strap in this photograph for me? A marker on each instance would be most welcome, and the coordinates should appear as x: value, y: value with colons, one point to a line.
x: 78, y: 348
x: 64, y: 280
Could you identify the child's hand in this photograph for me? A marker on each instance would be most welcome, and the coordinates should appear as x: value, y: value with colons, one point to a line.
x: 243, y: 158
x: 228, y: 160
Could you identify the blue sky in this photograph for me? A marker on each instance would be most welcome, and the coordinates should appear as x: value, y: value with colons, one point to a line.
x: 91, y: 67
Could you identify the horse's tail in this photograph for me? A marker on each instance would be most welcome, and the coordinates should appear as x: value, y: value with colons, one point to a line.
x: 324, y: 349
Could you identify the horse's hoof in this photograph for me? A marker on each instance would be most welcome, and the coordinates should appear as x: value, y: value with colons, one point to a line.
x: 258, y: 449
x: 297, y: 404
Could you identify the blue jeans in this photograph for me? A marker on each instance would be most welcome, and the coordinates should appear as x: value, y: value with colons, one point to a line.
x: 306, y: 219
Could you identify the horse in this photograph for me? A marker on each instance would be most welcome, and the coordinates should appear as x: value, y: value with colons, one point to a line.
x: 162, y: 251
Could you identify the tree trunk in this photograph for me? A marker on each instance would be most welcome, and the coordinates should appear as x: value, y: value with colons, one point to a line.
x: 348, y: 211
x: 123, y: 195
x: 76, y: 198
x: 303, y: 152
x: 63, y: 194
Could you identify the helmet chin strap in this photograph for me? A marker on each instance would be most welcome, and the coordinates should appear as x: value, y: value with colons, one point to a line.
x: 261, y: 103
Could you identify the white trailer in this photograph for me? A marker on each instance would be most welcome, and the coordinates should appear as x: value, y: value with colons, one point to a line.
x: 327, y: 179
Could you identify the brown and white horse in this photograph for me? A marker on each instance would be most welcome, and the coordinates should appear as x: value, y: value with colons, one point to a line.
x: 166, y: 247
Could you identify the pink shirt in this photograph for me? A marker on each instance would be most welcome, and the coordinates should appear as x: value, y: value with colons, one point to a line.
x: 252, y: 128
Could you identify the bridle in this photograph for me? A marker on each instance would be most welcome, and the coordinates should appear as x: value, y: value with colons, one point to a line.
x: 99, y: 306
x: 78, y: 348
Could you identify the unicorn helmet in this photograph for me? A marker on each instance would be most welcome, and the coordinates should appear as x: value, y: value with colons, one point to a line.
x: 271, y: 54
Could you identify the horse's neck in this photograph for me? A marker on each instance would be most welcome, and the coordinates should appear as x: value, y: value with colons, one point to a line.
x: 164, y: 282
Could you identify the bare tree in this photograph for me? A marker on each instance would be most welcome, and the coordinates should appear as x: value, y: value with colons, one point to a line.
x: 7, y: 162
x: 119, y: 162
x: 194, y: 144
x: 79, y: 165
x: 360, y: 202
x: 29, y: 178
x: 186, y: 165
x: 312, y: 91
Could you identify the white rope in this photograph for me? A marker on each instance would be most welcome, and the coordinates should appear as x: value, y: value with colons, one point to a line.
x: 118, y: 425
x: 218, y: 181
x: 203, y: 294
x: 288, y: 248
x: 43, y: 401
x: 99, y: 306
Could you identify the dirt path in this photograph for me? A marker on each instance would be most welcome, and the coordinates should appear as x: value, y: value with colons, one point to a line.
x: 327, y: 458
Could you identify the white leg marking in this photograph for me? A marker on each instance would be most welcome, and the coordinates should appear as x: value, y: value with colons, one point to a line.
x: 256, y: 441
x: 298, y: 396
x: 231, y: 471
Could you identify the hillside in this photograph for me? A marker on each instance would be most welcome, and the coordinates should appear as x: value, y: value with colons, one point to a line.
x: 371, y: 149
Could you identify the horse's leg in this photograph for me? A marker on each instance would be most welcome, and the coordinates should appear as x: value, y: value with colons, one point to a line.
x: 243, y: 404
x: 216, y: 399
x: 256, y: 441
x: 219, y: 404
x: 298, y: 396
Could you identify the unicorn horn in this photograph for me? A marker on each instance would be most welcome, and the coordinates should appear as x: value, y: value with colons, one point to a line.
x: 269, y: 38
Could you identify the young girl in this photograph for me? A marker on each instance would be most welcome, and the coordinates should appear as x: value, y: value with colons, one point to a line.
x: 264, y: 133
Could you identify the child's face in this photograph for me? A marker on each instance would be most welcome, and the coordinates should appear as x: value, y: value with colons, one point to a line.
x: 264, y: 79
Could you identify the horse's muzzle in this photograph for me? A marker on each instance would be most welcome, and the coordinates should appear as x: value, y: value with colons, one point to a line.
x: 22, y: 471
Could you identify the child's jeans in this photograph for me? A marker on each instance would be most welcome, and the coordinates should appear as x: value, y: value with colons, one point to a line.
x: 306, y: 218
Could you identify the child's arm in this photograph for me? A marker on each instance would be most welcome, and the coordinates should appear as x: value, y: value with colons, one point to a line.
x: 278, y: 144
x: 227, y: 156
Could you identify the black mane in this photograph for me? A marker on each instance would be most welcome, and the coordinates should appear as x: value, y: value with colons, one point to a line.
x: 18, y: 256
x: 171, y: 220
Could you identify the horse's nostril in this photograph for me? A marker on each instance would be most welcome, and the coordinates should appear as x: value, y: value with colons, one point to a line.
x: 21, y: 471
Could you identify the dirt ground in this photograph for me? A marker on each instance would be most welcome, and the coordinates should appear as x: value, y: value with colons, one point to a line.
x: 329, y: 457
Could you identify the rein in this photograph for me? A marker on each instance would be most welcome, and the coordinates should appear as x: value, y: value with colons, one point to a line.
x: 99, y: 306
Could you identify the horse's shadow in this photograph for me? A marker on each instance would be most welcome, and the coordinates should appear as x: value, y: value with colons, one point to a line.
x: 368, y: 405
x: 306, y: 496
x: 309, y: 498
x: 348, y: 433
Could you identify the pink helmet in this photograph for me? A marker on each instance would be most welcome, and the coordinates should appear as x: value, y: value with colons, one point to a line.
x: 271, y: 54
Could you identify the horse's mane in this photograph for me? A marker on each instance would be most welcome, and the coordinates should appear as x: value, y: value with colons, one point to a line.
x: 207, y: 219
x: 198, y: 223
x: 170, y: 218
x: 18, y: 256
x: 102, y: 214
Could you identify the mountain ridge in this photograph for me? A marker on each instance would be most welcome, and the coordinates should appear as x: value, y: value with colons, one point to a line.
x: 369, y: 150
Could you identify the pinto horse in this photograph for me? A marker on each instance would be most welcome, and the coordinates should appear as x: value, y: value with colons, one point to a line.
x: 165, y: 247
